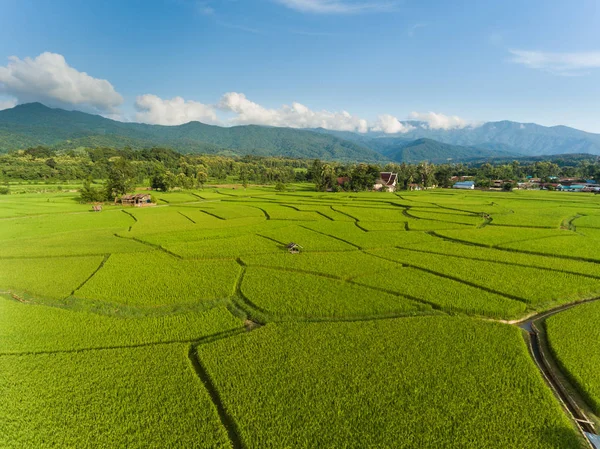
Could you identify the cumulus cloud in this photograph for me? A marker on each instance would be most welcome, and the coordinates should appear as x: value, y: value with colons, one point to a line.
x: 295, y: 116
x: 235, y: 108
x: 440, y: 121
x: 338, y: 6
x: 49, y: 79
x: 565, y: 64
x: 176, y: 111
x: 390, y: 125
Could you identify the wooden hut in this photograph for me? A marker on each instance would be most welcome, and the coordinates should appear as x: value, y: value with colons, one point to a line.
x: 293, y: 248
x: 137, y: 200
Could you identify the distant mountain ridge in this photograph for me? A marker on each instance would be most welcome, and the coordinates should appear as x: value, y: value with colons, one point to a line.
x: 34, y: 124
x: 528, y: 139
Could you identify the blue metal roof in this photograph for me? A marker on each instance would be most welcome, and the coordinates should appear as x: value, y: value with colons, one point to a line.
x: 594, y: 439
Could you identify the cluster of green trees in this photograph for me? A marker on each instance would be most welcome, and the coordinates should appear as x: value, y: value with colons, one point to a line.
x: 121, y: 169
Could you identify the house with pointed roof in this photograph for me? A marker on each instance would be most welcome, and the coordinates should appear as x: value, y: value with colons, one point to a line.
x: 387, y: 182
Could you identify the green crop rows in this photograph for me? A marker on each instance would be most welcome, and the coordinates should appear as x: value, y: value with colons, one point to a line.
x: 190, y: 324
x: 574, y: 337
x: 417, y: 382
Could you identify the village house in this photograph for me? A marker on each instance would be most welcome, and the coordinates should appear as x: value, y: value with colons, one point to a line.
x: 137, y: 200
x: 387, y: 182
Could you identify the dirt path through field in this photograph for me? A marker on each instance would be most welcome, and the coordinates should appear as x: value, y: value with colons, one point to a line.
x: 548, y: 367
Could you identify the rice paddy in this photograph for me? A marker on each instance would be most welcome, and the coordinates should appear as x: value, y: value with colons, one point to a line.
x: 190, y: 324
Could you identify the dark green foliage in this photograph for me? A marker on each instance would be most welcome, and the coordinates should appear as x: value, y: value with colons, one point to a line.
x: 91, y: 194
x: 508, y: 186
x: 121, y: 178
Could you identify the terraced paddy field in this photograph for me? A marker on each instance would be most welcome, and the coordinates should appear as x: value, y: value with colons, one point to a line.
x: 189, y: 324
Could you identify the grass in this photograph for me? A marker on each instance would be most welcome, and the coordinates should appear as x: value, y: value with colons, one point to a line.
x: 574, y: 338
x: 53, y: 278
x: 146, y: 397
x: 377, y: 334
x: 286, y: 294
x: 405, y: 383
x: 156, y: 278
x: 32, y: 328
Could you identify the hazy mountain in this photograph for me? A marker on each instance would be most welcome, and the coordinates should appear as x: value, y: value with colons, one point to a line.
x: 35, y: 124
x: 438, y: 152
x: 403, y: 149
x: 527, y: 139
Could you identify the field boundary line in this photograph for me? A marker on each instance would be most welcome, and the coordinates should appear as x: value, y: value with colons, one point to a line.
x: 332, y: 236
x: 207, y: 338
x: 184, y: 215
x: 240, y: 300
x: 212, y: 215
x: 152, y: 245
x: 516, y: 264
x: 135, y: 220
x: 349, y: 281
x: 270, y: 239
x: 344, y: 213
x: 513, y: 250
x: 452, y: 278
x: 89, y: 278
x: 227, y: 421
x: 265, y: 213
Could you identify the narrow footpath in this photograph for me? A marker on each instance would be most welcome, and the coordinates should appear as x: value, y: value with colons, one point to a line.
x: 542, y: 358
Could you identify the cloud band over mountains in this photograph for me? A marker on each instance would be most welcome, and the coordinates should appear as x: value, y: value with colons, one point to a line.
x: 48, y: 78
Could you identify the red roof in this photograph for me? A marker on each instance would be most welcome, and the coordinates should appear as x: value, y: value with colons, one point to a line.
x: 388, y: 178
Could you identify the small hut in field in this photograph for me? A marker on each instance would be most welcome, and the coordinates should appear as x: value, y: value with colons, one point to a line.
x: 293, y: 248
x: 97, y: 207
x: 137, y: 200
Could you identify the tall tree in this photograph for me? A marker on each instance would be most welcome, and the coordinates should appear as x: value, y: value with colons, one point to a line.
x: 121, y: 177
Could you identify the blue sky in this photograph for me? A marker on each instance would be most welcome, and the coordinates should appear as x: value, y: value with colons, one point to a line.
x: 344, y: 64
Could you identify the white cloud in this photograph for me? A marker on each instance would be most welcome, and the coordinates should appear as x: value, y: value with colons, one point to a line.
x: 49, y: 79
x: 235, y: 108
x: 176, y: 111
x: 7, y: 104
x: 338, y: 6
x: 440, y: 121
x: 565, y: 64
x: 390, y: 125
x: 295, y: 116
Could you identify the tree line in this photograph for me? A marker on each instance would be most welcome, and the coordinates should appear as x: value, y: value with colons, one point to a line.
x: 164, y: 169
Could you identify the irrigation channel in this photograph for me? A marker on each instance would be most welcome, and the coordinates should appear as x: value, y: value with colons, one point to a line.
x: 542, y: 357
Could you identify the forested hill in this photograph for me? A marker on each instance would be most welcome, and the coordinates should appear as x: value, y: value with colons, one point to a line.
x: 34, y: 124
x: 526, y: 139
x: 438, y: 152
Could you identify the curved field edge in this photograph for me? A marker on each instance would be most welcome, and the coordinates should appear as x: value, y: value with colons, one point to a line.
x: 33, y: 328
x: 574, y: 339
x: 411, y: 382
x: 145, y: 397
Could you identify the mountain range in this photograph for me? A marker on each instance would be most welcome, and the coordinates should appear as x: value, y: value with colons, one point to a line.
x: 34, y: 124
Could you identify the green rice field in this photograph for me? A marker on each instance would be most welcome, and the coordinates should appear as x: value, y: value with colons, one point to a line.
x: 190, y: 325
